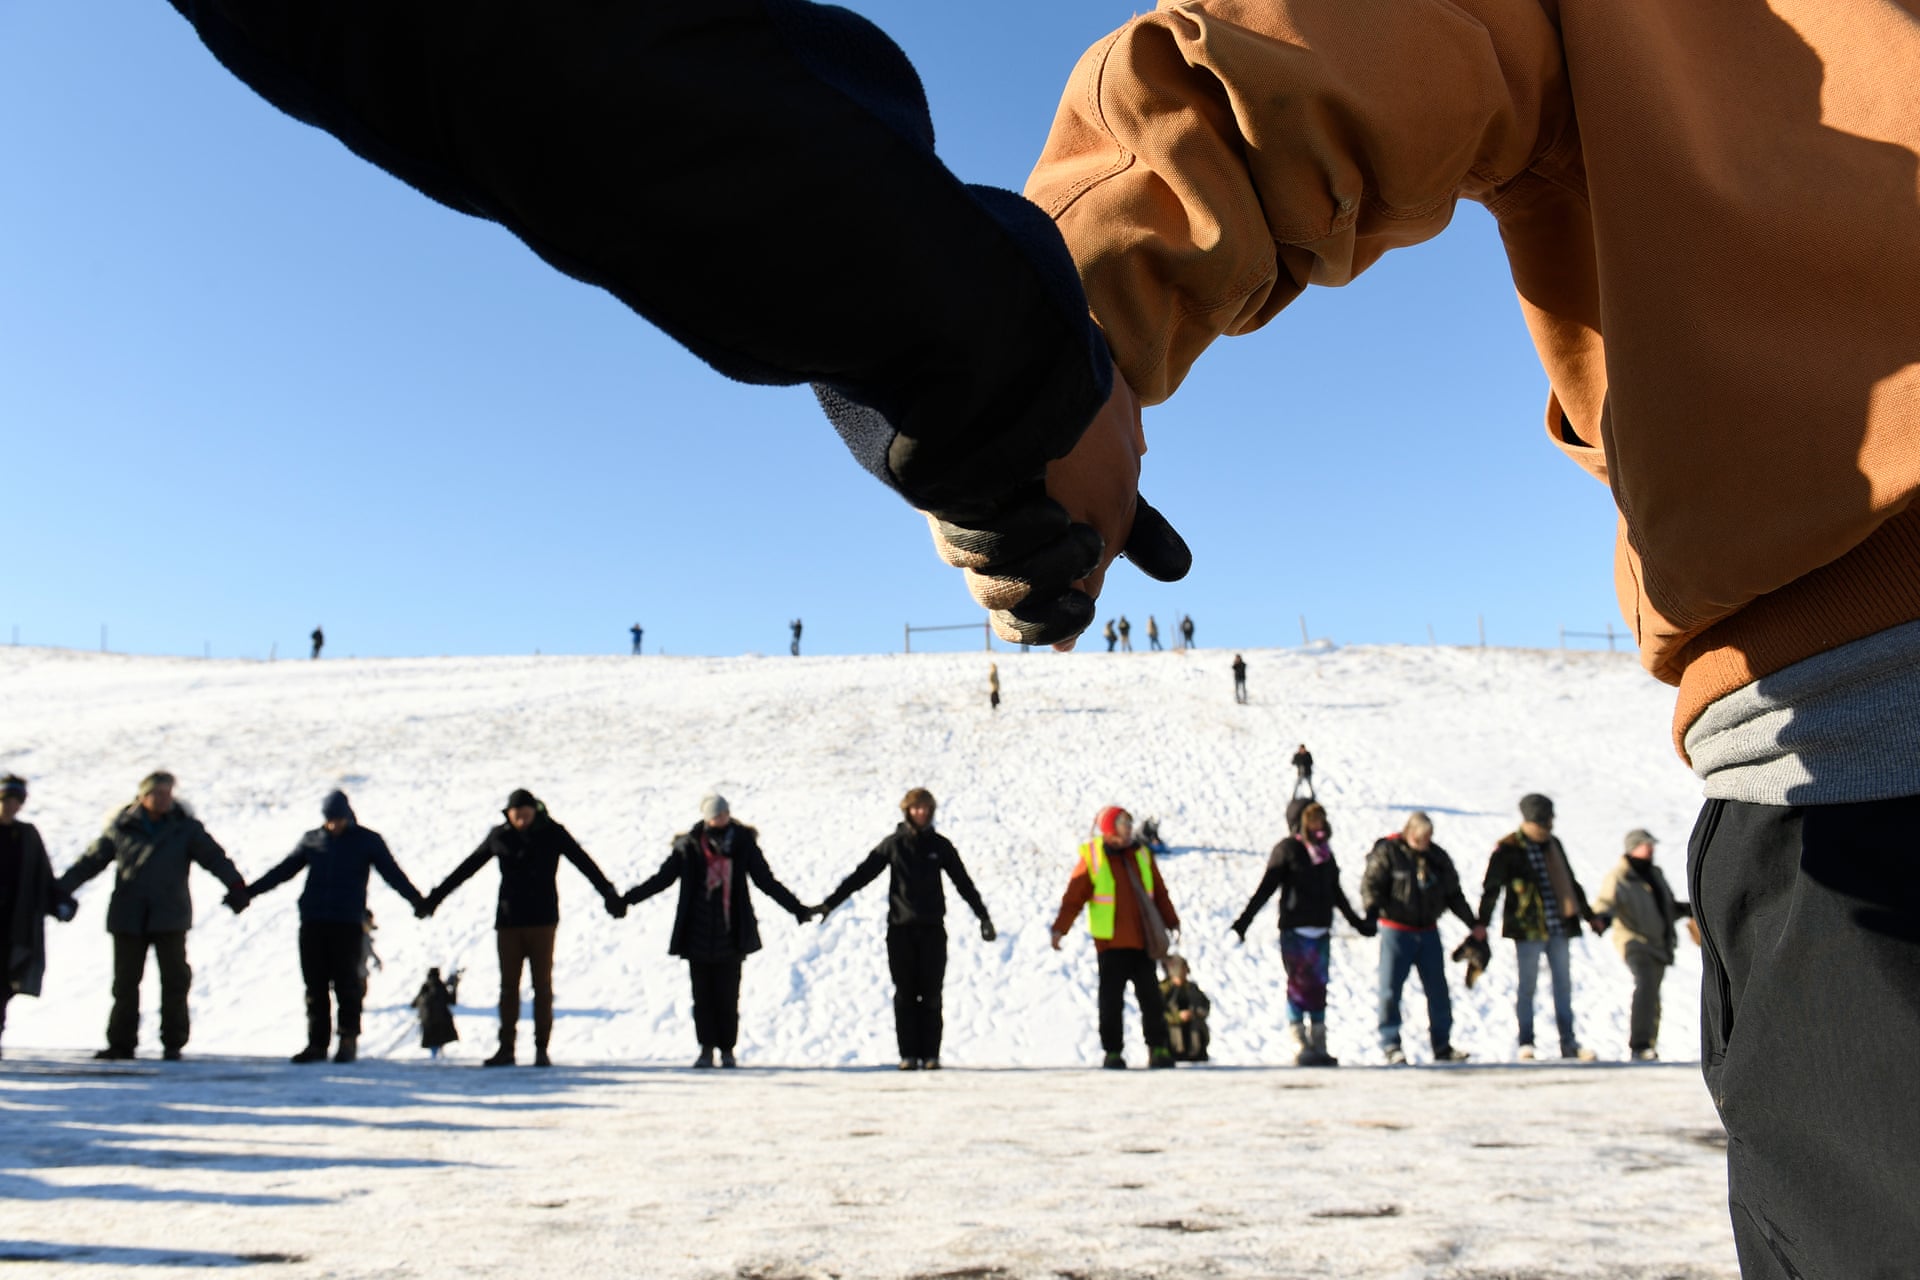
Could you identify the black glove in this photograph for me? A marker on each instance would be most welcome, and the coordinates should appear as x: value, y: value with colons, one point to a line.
x: 632, y: 896
x: 1600, y: 921
x: 65, y: 909
x: 1239, y: 931
x: 428, y: 905
x: 987, y: 931
x: 1022, y: 552
x: 1369, y: 927
x: 615, y: 906
x: 237, y: 899
x: 804, y: 914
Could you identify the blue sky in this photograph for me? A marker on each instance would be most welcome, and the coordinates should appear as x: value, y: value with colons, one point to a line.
x: 249, y: 383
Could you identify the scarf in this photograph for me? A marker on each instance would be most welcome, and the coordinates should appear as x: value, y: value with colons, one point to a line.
x: 1318, y: 851
x: 719, y: 875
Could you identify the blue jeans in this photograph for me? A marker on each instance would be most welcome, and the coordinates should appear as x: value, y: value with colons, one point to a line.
x: 1401, y: 952
x: 1555, y: 949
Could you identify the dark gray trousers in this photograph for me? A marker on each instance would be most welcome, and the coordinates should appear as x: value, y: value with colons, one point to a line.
x: 1810, y: 1031
x: 1643, y: 1020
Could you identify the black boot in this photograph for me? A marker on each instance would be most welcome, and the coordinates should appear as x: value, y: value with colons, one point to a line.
x: 312, y: 1053
x: 349, y: 1049
x: 502, y: 1057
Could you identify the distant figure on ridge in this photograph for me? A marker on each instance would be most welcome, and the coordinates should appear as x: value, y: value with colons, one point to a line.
x: 638, y: 634
x: 915, y: 856
x: 1126, y: 634
x: 993, y: 686
x: 1153, y: 633
x: 1186, y: 631
x: 1112, y: 636
x: 528, y: 846
x: 1303, y: 770
x: 1239, y: 679
x: 1130, y: 917
x: 336, y: 855
x: 794, y: 648
x: 319, y: 639
x: 714, y: 928
x: 152, y: 844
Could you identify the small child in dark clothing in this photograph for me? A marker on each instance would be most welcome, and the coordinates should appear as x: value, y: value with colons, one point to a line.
x: 1187, y: 1008
x: 434, y: 1004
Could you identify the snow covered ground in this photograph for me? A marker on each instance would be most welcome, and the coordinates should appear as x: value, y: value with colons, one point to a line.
x: 396, y: 1170
x: 811, y: 1172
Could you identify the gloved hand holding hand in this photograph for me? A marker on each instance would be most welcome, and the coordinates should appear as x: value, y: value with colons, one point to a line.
x: 632, y: 897
x: 1600, y: 921
x: 1037, y: 556
x: 428, y: 905
x: 987, y: 933
x: 1239, y: 933
x: 805, y: 914
x: 615, y: 906
x: 237, y: 899
x: 65, y: 910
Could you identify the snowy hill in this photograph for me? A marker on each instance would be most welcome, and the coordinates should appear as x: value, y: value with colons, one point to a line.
x: 815, y: 752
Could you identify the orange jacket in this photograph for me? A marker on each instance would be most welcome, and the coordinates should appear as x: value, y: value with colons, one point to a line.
x: 1128, y: 931
x: 1713, y: 223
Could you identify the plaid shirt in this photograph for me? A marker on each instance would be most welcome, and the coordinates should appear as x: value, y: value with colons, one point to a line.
x: 1537, y: 857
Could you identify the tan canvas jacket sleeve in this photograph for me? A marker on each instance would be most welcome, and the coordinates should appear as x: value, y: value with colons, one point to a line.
x: 1712, y: 219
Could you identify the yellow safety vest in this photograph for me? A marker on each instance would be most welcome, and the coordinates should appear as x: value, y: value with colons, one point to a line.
x: 1100, y: 868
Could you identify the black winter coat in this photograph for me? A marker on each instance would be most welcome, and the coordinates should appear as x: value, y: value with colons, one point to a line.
x: 151, y: 859
x: 1311, y: 891
x: 337, y: 867
x: 688, y: 865
x: 529, y: 871
x: 25, y: 930
x: 740, y: 172
x: 1412, y: 889
x: 1524, y: 919
x: 916, y: 859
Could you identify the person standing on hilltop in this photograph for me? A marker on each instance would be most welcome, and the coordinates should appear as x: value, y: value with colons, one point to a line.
x: 714, y: 926
x: 1126, y: 635
x: 1303, y: 770
x: 1303, y: 868
x: 1186, y: 631
x: 993, y: 686
x: 1112, y: 637
x: 1153, y: 634
x: 915, y: 856
x: 528, y: 846
x: 638, y: 634
x: 319, y: 639
x: 794, y: 648
x: 1239, y: 679
x: 1130, y: 916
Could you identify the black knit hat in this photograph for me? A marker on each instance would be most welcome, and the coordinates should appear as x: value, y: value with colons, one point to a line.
x: 1536, y: 808
x: 522, y: 799
x: 13, y: 785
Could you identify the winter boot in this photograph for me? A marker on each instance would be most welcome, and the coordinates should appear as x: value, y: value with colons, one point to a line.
x: 1447, y: 1053
x: 1396, y: 1056
x: 349, y: 1049
x: 502, y: 1057
x: 930, y: 1064
x: 1645, y: 1055
x: 1297, y: 1041
x: 540, y: 1058
x: 1160, y: 1060
x: 1114, y: 1062
x: 1525, y: 1054
x: 909, y: 1064
x: 312, y: 1053
x: 1317, y: 1045
x: 1579, y: 1053
x: 726, y: 1059
x: 705, y: 1059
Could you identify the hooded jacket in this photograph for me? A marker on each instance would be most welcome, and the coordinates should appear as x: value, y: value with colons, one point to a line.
x: 26, y: 933
x: 687, y: 864
x: 916, y: 857
x: 337, y: 868
x: 529, y: 871
x: 1709, y: 214
x: 151, y: 858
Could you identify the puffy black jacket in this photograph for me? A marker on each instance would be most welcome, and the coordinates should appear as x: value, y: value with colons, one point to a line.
x: 687, y: 863
x: 337, y: 867
x: 151, y: 858
x: 733, y: 170
x: 529, y: 871
x: 1311, y: 891
x: 916, y: 858
x: 27, y: 898
x: 1411, y: 889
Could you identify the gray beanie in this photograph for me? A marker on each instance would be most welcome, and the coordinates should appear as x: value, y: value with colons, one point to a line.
x: 1637, y: 837
x: 713, y: 805
x: 1536, y: 808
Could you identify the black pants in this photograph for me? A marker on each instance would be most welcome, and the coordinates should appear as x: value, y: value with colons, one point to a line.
x: 330, y: 959
x: 129, y: 967
x: 917, y: 958
x: 6, y: 994
x: 1810, y: 1031
x: 1118, y: 967
x: 1643, y: 1022
x: 716, y: 1002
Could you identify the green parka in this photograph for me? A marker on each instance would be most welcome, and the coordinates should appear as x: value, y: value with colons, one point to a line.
x: 151, y: 858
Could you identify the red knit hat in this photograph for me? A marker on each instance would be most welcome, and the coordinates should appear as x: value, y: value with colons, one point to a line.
x: 1109, y: 820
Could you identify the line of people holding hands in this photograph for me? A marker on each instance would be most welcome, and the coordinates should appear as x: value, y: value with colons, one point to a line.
x: 1408, y: 883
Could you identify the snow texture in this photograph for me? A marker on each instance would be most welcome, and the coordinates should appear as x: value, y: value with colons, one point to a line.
x: 1018, y: 1163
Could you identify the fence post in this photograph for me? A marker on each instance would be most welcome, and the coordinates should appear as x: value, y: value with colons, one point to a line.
x: 1609, y: 635
x: 1483, y: 629
x: 103, y: 637
x: 1563, y: 635
x: 1303, y: 631
x: 1430, y: 640
x: 908, y: 628
x: 986, y: 628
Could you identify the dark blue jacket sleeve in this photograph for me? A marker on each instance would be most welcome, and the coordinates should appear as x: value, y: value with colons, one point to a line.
x: 756, y: 177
